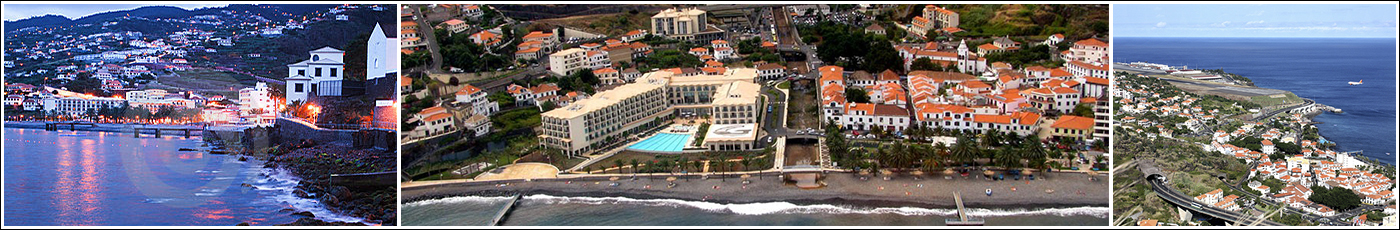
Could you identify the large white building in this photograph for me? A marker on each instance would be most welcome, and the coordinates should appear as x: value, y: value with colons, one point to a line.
x: 674, y: 21
x: 685, y: 25
x: 567, y: 61
x: 1090, y: 50
x: 255, y: 104
x: 586, y: 125
x: 77, y: 106
x: 321, y: 75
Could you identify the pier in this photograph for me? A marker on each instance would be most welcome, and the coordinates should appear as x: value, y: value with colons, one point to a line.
x: 72, y: 125
x: 505, y: 211
x: 963, y: 219
x: 158, y: 130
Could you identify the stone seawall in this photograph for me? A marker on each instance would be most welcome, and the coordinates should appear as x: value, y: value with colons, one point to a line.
x: 288, y: 130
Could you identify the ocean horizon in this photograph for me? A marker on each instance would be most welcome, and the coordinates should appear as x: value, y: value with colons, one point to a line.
x: 1313, y: 68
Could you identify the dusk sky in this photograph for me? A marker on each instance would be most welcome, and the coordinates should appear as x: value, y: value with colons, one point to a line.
x: 1254, y: 20
x: 14, y: 12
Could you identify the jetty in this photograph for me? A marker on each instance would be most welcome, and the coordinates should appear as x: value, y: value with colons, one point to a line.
x: 158, y: 130
x: 72, y: 125
x: 963, y: 219
x: 505, y: 211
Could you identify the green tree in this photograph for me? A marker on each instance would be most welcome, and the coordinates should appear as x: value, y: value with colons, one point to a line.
x: 922, y: 63
x: 1083, y: 110
x: 634, y: 167
x: 857, y: 95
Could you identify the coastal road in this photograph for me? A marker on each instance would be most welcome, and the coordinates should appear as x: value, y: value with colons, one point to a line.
x: 1181, y: 200
x: 1306, y: 102
x: 500, y: 84
x: 431, y: 39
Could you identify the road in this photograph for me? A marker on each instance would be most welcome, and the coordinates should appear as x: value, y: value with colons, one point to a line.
x: 500, y: 84
x: 1306, y: 102
x: 772, y: 120
x: 1181, y: 200
x: 430, y: 38
x: 788, y: 39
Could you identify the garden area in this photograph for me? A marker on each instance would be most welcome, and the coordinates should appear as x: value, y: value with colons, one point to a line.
x: 627, y: 161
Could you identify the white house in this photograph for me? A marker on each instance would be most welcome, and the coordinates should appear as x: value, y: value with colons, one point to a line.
x: 476, y: 98
x: 321, y: 75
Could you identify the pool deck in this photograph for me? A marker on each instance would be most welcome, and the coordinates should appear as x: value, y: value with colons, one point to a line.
x: 609, y: 153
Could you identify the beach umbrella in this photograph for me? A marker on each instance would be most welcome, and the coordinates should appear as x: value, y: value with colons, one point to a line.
x: 612, y: 178
x: 1027, y: 171
x: 886, y: 172
x: 917, y: 173
x: 863, y: 173
x: 670, y: 179
x: 1049, y: 191
x: 988, y: 172
x: 949, y: 171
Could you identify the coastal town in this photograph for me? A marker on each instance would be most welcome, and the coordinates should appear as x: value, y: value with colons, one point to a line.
x: 242, y: 79
x: 1265, y: 160
x: 825, y: 97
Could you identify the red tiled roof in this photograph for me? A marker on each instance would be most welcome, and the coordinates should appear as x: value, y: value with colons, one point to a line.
x: 1073, y: 122
x: 1091, y: 42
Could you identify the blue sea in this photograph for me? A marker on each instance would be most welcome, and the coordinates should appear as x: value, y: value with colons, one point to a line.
x: 1314, y: 68
x: 115, y: 179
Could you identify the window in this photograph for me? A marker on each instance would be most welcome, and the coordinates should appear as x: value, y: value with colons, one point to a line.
x: 333, y: 71
x: 301, y: 72
x: 315, y: 57
x: 299, y: 87
x: 318, y: 71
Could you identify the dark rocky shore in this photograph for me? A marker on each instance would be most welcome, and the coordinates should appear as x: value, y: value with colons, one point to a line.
x: 315, y: 162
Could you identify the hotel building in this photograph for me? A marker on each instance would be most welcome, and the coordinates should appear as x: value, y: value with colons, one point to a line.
x: 589, y: 124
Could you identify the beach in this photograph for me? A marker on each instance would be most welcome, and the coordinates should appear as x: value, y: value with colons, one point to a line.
x: 1069, y: 190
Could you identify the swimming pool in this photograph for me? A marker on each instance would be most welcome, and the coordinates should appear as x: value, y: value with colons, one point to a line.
x: 663, y: 142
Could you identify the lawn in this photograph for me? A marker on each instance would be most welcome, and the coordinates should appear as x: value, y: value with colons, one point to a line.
x: 1267, y: 101
x: 647, y: 158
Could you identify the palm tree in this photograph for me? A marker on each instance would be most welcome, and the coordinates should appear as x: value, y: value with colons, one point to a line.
x: 714, y: 166
x: 882, y: 156
x: 699, y: 166
x: 634, y: 167
x: 964, y: 151
x: 665, y: 165
x: 1006, y: 157
x: 617, y: 163
x: 1032, y: 149
x: 931, y: 161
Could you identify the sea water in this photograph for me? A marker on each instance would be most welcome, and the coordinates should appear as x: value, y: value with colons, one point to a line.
x: 100, y: 178
x: 1314, y: 68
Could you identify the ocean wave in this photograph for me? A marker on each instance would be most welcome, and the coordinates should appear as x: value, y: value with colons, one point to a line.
x: 765, y: 208
x: 282, y: 184
x: 459, y: 200
x: 157, y: 200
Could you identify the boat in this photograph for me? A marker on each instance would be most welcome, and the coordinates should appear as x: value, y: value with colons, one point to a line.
x: 1357, y: 82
